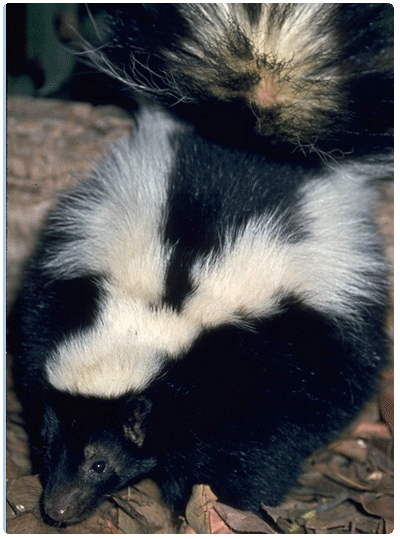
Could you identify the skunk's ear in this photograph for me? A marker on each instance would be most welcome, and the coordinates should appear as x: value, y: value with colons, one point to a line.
x: 136, y: 411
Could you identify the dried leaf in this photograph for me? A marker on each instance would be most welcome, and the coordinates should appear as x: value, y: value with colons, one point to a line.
x: 242, y: 522
x: 29, y: 524
x: 141, y: 508
x: 198, y: 510
x: 379, y: 505
x: 23, y: 493
x: 387, y: 410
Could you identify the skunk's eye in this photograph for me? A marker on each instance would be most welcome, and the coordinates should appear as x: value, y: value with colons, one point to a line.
x: 99, y: 466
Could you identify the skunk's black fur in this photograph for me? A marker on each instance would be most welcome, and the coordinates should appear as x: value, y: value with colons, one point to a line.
x: 198, y: 314
x: 289, y: 79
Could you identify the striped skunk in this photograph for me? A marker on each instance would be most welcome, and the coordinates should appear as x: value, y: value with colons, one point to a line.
x: 198, y: 314
x: 299, y: 79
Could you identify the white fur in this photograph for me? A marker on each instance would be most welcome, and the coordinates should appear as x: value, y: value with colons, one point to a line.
x: 123, y: 351
x: 212, y: 23
x: 293, y: 52
x: 135, y: 334
x: 325, y: 269
x: 116, y: 232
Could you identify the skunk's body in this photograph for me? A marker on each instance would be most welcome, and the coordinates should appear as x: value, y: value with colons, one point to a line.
x: 286, y: 78
x: 198, y: 315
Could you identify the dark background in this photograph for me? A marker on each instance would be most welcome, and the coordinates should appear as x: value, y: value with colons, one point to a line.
x: 42, y: 53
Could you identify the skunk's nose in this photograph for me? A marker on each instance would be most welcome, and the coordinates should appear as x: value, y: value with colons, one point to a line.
x: 65, y: 507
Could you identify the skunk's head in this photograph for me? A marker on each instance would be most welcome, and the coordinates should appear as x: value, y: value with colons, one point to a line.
x: 93, y: 448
